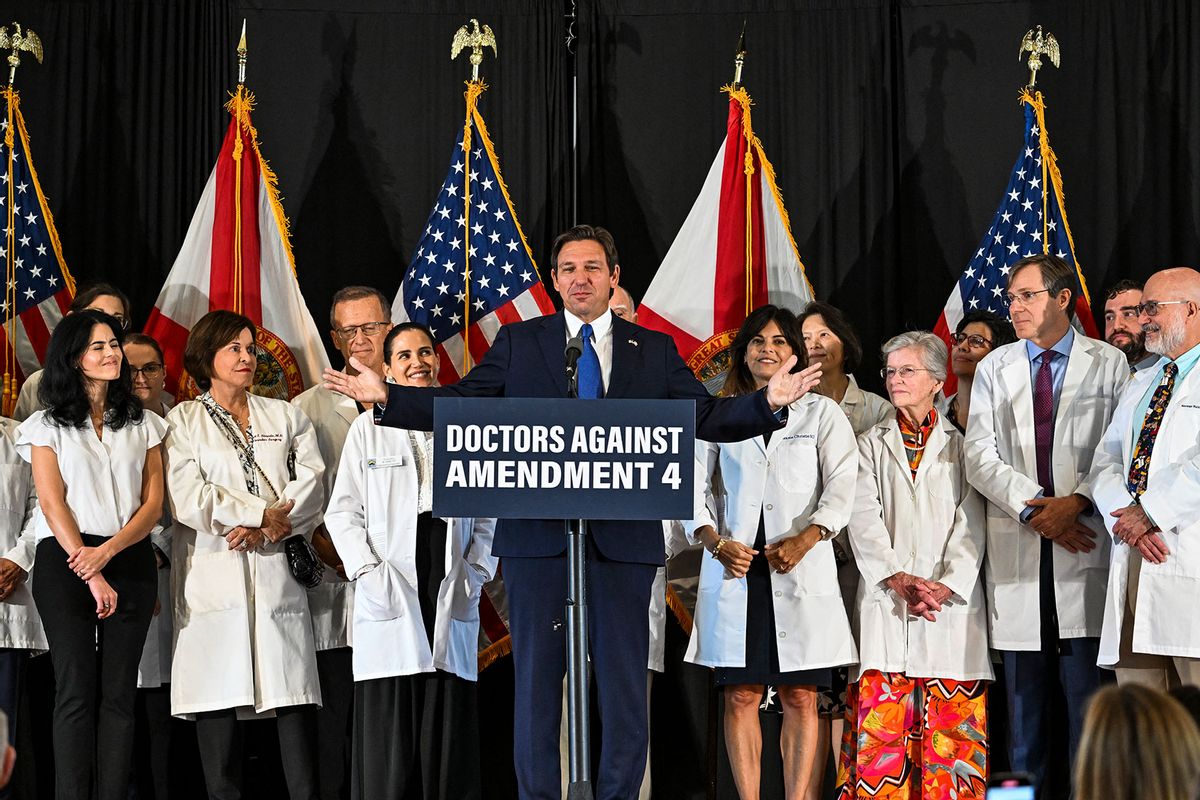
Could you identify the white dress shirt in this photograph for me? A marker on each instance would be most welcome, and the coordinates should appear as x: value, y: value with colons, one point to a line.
x: 601, y: 340
x: 103, y: 477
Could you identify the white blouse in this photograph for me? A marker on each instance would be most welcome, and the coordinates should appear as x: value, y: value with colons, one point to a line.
x: 103, y: 477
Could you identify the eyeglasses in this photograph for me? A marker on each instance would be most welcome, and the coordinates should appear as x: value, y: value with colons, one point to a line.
x: 904, y: 373
x: 1151, y: 308
x: 151, y: 370
x: 368, y: 329
x: 973, y: 339
x: 1023, y: 298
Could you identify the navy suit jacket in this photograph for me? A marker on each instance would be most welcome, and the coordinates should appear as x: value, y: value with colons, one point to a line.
x: 526, y: 360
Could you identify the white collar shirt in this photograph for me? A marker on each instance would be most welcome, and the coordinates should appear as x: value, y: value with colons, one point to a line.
x: 602, y: 340
x: 103, y: 477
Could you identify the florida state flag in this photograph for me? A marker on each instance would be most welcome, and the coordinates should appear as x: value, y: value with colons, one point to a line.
x: 734, y: 253
x: 237, y: 256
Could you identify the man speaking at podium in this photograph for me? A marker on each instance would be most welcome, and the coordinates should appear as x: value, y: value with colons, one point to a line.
x: 618, y: 360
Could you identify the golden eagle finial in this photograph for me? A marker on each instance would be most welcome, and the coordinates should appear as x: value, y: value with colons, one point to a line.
x: 1038, y: 45
x: 476, y: 39
x: 27, y: 41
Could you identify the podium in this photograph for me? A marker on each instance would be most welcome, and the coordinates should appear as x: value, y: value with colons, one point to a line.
x: 570, y: 460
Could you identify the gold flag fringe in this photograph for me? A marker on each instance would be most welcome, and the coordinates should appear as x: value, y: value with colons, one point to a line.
x: 240, y: 105
x: 682, y: 615
x: 743, y: 97
x: 16, y: 127
x: 1050, y: 169
x: 494, y: 652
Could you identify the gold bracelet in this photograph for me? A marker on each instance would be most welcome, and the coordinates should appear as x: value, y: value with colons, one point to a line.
x: 716, y: 551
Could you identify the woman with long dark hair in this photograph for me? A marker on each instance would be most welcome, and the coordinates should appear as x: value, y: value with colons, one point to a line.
x: 97, y: 465
x: 768, y: 609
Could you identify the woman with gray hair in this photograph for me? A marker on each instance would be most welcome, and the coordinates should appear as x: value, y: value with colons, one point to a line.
x: 918, y: 701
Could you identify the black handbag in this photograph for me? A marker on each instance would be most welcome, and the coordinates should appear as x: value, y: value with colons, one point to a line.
x: 303, y: 562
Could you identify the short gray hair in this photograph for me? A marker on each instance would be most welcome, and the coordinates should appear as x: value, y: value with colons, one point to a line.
x: 934, y: 353
x: 348, y: 293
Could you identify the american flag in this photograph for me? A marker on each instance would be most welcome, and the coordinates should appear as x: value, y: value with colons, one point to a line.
x: 473, y: 270
x: 38, y: 287
x: 1031, y: 220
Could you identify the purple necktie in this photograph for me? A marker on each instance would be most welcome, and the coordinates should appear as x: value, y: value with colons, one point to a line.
x: 1043, y: 421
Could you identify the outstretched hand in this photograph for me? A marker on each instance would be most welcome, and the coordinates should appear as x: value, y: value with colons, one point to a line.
x: 785, y: 388
x: 365, y: 387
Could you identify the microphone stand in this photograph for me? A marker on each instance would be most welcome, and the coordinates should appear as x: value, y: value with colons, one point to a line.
x: 579, y: 786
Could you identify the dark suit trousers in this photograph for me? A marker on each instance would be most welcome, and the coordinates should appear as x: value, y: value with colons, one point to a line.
x: 619, y: 640
x: 95, y: 691
x: 1035, y: 677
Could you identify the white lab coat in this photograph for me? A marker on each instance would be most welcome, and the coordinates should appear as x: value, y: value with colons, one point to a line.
x: 675, y: 540
x: 243, y: 633
x: 27, y: 400
x: 805, y: 476
x: 20, y: 625
x: 375, y: 498
x: 154, y: 669
x: 865, y: 410
x: 1001, y: 462
x: 332, y: 600
x: 931, y: 527
x: 1165, y: 621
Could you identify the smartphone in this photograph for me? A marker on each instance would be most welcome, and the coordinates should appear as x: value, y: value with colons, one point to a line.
x: 1011, y: 786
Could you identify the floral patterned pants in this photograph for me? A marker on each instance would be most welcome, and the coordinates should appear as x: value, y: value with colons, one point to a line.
x: 914, y: 739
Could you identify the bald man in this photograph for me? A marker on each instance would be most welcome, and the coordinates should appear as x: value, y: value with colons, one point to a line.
x: 1146, y: 483
x: 621, y: 303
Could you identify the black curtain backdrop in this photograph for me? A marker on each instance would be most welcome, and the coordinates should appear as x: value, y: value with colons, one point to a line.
x: 892, y: 125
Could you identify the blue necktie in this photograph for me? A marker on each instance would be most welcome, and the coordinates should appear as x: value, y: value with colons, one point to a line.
x: 589, y: 384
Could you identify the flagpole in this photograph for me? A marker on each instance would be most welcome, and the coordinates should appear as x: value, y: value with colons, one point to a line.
x: 238, y: 150
x: 29, y: 42
x: 476, y: 38
x: 736, y: 90
x: 474, y: 88
x: 10, y: 284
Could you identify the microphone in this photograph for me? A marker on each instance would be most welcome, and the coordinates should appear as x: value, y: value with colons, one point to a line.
x: 571, y: 355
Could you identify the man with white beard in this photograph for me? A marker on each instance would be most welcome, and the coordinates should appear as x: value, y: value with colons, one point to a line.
x: 1146, y: 483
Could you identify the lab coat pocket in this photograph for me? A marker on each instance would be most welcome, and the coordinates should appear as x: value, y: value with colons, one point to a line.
x: 1004, y: 542
x: 797, y: 464
x: 215, y: 582
x: 14, y: 489
x: 379, y: 593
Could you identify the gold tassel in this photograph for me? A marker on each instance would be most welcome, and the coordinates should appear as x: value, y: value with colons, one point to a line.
x: 682, y: 615
x: 494, y: 652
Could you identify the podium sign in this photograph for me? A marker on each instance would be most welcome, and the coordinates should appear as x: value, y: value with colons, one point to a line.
x: 563, y: 459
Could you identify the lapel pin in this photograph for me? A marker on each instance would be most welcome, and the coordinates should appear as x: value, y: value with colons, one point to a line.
x: 633, y: 342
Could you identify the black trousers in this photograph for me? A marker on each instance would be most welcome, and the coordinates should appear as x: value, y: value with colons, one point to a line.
x: 336, y: 670
x: 152, y: 759
x: 95, y: 665
x: 221, y: 736
x: 416, y: 737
